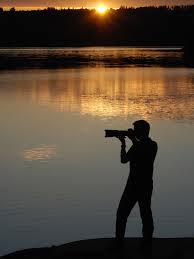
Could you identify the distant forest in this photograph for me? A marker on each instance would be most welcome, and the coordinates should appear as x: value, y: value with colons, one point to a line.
x: 148, y: 26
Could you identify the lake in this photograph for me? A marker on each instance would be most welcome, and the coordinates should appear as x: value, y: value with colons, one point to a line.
x: 61, y: 179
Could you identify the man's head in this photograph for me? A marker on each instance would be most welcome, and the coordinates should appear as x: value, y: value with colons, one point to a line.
x: 141, y: 129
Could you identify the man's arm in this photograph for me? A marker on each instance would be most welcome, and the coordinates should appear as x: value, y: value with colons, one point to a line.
x: 125, y: 156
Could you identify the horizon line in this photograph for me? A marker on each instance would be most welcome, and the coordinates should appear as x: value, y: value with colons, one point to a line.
x: 34, y: 8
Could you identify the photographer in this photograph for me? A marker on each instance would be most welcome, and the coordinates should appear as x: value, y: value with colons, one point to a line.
x: 139, y: 185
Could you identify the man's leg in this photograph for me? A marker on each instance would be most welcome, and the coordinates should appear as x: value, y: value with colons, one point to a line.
x: 144, y: 201
x: 127, y: 202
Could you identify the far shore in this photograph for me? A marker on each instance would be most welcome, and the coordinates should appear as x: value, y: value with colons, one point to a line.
x: 26, y: 58
x: 163, y: 248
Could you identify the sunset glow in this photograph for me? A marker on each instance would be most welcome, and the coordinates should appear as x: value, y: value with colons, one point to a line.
x: 41, y: 4
x: 101, y: 9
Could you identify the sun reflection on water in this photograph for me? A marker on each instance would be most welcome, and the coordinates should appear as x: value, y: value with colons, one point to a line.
x: 121, y: 93
x: 116, y: 92
x: 40, y: 153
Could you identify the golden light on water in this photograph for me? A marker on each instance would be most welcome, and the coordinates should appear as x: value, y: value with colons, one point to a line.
x: 118, y: 93
x: 101, y: 9
x: 108, y: 93
x: 40, y: 153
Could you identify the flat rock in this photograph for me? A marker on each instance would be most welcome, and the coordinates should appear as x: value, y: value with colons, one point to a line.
x: 163, y: 248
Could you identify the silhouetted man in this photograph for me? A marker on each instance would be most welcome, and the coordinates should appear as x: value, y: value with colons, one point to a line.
x: 139, y: 185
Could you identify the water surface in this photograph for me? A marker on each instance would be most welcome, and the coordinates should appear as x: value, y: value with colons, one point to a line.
x: 61, y: 180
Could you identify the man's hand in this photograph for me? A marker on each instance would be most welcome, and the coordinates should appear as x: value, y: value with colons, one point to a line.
x: 122, y: 139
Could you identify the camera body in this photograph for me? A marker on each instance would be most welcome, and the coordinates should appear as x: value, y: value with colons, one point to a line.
x: 119, y: 133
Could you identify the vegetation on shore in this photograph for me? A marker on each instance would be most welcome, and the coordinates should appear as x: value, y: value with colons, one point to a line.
x: 151, y: 26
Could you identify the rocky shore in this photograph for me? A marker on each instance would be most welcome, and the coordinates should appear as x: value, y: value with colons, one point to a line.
x: 163, y: 248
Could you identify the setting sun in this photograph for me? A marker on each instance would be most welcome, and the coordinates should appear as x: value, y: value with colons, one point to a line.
x: 101, y: 9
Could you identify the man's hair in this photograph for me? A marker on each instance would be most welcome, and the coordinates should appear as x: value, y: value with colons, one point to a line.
x: 144, y: 125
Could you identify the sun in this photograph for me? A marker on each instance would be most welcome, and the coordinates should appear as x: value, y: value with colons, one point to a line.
x: 101, y: 9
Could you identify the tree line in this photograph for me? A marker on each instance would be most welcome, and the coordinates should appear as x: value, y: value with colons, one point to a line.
x: 148, y: 26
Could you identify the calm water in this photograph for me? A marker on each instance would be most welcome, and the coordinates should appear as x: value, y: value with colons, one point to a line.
x: 61, y: 180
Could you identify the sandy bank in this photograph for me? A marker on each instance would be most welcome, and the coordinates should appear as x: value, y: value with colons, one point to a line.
x: 103, y: 248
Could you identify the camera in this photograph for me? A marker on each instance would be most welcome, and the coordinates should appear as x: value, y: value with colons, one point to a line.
x: 119, y: 133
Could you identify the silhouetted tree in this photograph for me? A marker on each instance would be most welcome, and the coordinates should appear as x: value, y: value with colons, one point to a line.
x: 51, y: 9
x: 12, y: 9
x: 162, y: 25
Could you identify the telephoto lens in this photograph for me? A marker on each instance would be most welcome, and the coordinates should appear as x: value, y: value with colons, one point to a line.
x: 116, y: 133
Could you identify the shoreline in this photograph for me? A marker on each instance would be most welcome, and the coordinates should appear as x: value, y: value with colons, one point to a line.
x: 104, y: 248
x: 41, y: 58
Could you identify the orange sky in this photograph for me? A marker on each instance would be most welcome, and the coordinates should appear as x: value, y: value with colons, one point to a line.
x: 89, y: 3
